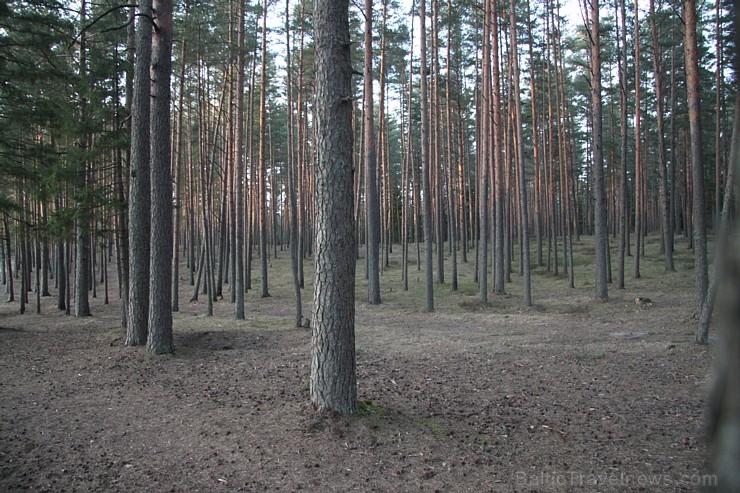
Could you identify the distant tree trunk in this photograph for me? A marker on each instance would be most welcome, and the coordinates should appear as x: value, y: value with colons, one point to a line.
x: 333, y: 378
x: 122, y: 233
x: 9, y: 260
x: 697, y: 167
x: 264, y: 254
x: 408, y: 163
x: 61, y: 276
x: 82, y: 265
x: 535, y: 140
x: 499, y: 192
x: 160, y: 279
x: 452, y: 189
x: 22, y: 258
x: 139, y: 179
x: 437, y: 161
x: 425, y: 162
x: 292, y: 199
x: 600, y: 226
x: 372, y: 208
x: 523, y: 211
x: 485, y: 132
x: 639, y: 205
x: 662, y: 171
x: 178, y: 186
x: 623, y: 198
x: 718, y: 137
x: 238, y: 282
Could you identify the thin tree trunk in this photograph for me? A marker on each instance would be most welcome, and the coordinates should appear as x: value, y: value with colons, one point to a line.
x: 623, y: 193
x: 238, y: 286
x: 178, y: 186
x: 263, y: 157
x: 600, y: 226
x: 662, y: 171
x: 523, y: 205
x: 372, y: 208
x: 639, y: 206
x: 484, y: 156
x: 426, y: 162
x: 82, y: 273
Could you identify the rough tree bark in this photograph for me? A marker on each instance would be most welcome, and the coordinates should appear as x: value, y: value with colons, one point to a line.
x: 159, y: 339
x: 139, y: 184
x: 333, y: 377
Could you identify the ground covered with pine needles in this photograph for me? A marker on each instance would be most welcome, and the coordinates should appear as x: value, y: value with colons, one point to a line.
x: 570, y: 395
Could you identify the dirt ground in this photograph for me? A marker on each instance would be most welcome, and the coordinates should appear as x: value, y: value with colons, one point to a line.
x: 570, y: 395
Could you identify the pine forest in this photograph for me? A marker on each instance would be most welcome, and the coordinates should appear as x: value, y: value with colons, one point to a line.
x: 391, y: 245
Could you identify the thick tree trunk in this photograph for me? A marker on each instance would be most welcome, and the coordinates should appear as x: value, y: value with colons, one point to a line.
x: 333, y: 379
x: 159, y: 340
x: 139, y: 183
x: 724, y: 404
x: 721, y: 241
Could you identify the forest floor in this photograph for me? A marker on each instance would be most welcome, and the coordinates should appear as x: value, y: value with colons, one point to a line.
x: 570, y: 395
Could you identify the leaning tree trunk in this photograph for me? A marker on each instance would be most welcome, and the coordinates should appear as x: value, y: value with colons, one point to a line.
x: 333, y: 378
x: 721, y: 246
x: 725, y: 400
